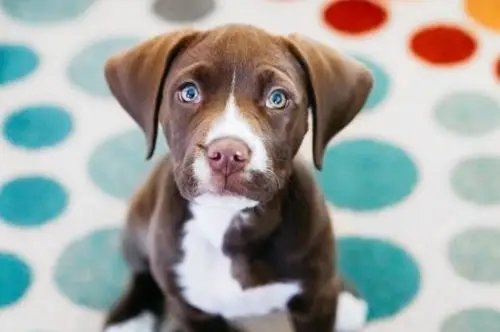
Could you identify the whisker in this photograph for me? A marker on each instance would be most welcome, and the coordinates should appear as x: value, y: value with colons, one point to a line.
x: 273, y: 177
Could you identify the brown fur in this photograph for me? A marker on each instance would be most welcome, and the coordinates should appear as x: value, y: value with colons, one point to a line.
x: 290, y: 235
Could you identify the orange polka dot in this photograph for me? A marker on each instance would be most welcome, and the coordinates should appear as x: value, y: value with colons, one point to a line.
x: 354, y: 17
x: 485, y: 12
x: 443, y: 44
x: 497, y: 69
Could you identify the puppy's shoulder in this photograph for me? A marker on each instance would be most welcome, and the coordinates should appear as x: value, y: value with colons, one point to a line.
x: 303, y: 197
x: 151, y: 191
x: 303, y: 180
x: 307, y: 225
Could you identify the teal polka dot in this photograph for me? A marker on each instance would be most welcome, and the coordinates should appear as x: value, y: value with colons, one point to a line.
x: 32, y: 201
x: 473, y: 320
x: 468, y: 113
x: 15, y: 279
x: 182, y: 11
x: 118, y: 165
x: 381, y: 83
x: 475, y: 255
x: 477, y: 180
x: 86, y: 69
x: 365, y: 174
x: 91, y: 272
x: 18, y: 61
x: 383, y: 273
x: 47, y: 11
x: 37, y: 126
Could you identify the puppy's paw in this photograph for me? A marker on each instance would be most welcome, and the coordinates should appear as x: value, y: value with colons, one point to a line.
x: 352, y: 313
x: 145, y: 322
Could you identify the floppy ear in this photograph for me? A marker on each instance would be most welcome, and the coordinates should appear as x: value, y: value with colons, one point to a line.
x: 338, y: 87
x: 136, y: 78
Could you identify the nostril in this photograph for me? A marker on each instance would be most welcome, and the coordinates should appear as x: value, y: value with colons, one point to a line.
x: 215, y: 156
x: 239, y: 157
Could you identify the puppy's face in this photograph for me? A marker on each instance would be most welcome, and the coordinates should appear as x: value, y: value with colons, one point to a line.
x: 234, y: 112
x: 233, y: 103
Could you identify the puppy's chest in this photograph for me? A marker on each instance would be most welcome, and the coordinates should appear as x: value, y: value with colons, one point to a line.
x: 205, y: 277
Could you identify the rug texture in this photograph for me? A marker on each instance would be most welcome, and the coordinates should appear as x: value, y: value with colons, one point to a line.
x: 413, y: 182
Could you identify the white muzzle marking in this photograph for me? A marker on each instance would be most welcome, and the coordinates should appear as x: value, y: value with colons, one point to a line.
x: 231, y: 123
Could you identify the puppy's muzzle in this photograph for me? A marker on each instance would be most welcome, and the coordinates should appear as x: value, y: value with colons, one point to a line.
x: 228, y: 156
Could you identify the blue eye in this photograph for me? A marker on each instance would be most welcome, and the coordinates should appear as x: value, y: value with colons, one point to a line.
x: 277, y: 99
x: 189, y: 93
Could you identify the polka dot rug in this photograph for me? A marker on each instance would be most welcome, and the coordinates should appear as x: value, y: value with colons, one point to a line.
x: 413, y: 183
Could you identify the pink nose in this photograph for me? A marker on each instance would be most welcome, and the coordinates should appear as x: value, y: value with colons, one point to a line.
x: 227, y: 156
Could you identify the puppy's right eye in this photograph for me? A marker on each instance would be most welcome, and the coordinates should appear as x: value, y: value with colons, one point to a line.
x: 189, y: 94
x: 277, y: 99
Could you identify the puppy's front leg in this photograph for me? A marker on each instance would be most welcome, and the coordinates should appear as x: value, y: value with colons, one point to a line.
x: 209, y: 324
x: 191, y: 319
x: 336, y: 307
x: 313, y: 312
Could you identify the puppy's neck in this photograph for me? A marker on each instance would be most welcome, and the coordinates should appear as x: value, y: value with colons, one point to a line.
x: 213, y: 215
x: 227, y: 203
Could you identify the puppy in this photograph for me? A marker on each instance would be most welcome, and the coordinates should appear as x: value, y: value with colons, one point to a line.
x: 231, y: 223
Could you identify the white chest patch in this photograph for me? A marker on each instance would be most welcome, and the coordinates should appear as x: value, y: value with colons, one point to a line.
x: 204, y: 274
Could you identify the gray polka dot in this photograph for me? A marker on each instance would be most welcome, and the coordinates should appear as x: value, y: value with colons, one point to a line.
x: 473, y: 320
x: 475, y: 255
x: 477, y: 180
x: 183, y: 10
x: 468, y: 113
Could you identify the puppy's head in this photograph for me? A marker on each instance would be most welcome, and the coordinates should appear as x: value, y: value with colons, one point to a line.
x: 233, y: 104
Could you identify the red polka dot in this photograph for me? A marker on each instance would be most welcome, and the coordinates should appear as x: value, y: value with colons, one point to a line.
x: 443, y: 44
x: 497, y: 69
x: 354, y: 16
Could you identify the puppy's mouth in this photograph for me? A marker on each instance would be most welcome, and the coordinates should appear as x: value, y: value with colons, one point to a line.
x: 257, y: 186
x: 229, y: 167
x: 228, y: 185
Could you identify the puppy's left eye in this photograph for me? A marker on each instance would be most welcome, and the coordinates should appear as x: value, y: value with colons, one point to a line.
x: 189, y: 93
x: 277, y: 99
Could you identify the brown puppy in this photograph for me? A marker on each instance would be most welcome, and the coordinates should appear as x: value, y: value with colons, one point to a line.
x: 231, y: 223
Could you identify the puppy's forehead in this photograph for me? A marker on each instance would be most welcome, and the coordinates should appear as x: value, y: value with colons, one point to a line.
x: 239, y: 48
